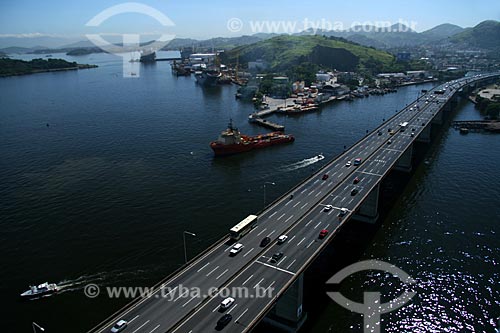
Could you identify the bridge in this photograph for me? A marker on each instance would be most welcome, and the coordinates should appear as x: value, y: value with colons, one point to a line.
x: 318, y: 203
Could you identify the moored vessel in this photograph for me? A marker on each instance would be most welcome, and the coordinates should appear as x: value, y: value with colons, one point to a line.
x: 231, y: 141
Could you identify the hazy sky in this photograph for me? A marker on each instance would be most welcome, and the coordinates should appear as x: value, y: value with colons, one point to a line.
x: 210, y: 18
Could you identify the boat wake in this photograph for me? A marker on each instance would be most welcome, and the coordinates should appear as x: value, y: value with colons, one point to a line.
x: 304, y: 163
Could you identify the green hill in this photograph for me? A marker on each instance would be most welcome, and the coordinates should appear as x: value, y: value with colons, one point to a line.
x: 485, y: 35
x: 284, y: 52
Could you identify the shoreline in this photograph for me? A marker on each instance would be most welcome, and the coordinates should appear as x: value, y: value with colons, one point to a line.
x: 79, y: 66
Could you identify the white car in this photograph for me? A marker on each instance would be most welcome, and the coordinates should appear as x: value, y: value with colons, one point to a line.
x: 226, y: 303
x: 119, y: 326
x: 282, y: 239
x: 343, y: 211
x: 327, y: 208
x: 236, y: 248
x: 348, y: 164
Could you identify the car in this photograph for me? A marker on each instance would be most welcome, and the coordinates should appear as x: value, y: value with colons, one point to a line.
x: 282, y: 239
x: 379, y: 133
x: 325, y: 177
x: 226, y: 303
x: 412, y: 134
x: 343, y: 211
x: 348, y: 164
x: 224, y: 320
x: 265, y: 241
x: 389, y: 130
x: 277, y: 256
x: 236, y: 249
x: 323, y: 233
x: 413, y: 129
x: 392, y: 132
x: 357, y: 161
x: 327, y: 208
x: 354, y: 191
x: 356, y: 180
x: 423, y: 124
x: 389, y: 142
x: 119, y: 326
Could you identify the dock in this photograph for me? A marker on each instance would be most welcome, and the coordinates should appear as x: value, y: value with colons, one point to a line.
x: 265, y: 123
x: 478, y: 125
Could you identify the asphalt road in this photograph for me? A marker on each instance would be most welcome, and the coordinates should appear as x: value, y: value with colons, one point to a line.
x: 181, y: 307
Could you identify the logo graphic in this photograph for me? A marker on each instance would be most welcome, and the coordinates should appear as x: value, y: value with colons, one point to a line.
x: 131, y: 42
x: 371, y: 308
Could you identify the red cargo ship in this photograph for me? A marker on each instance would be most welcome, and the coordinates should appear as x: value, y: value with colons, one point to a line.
x: 231, y: 141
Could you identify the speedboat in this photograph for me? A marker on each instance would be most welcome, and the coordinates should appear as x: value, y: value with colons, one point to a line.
x: 41, y: 290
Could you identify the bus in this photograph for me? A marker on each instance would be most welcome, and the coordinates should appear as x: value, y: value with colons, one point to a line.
x: 403, y: 126
x: 243, y: 227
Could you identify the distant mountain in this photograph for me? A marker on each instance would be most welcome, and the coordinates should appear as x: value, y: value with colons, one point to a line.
x: 442, y: 31
x: 284, y: 52
x: 36, y: 41
x: 217, y: 43
x: 485, y: 35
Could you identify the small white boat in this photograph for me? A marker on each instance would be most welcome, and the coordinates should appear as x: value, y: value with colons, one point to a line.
x: 41, y: 290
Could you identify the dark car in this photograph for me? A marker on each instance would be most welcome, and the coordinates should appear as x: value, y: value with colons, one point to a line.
x: 265, y: 241
x: 277, y: 256
x: 379, y: 133
x: 356, y: 180
x: 325, y: 177
x: 224, y: 320
x: 354, y: 191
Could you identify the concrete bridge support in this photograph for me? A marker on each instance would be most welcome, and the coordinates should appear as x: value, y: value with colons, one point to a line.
x: 287, y: 314
x: 405, y: 161
x: 368, y: 211
x: 425, y: 135
x: 438, y: 117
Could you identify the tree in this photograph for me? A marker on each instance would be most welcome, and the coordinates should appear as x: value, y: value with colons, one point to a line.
x: 493, y: 110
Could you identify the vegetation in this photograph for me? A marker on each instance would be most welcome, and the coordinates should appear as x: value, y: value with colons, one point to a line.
x: 10, y: 67
x: 285, y: 52
x: 485, y: 35
x: 490, y: 107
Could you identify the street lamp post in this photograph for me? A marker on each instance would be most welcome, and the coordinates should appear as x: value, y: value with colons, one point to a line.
x: 271, y: 183
x: 184, y: 241
x: 35, y: 326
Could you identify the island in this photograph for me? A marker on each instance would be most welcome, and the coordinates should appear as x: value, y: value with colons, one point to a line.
x: 11, y: 67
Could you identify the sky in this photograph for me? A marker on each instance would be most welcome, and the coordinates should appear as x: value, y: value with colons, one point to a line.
x: 214, y: 18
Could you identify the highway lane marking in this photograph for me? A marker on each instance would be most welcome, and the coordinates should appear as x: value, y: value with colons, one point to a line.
x: 277, y: 268
x: 294, y: 260
x: 310, y: 244
x: 389, y: 149
x: 317, y: 180
x: 317, y: 225
x: 279, y: 218
x: 232, y: 308
x: 241, y: 315
x: 251, y: 276
x: 208, y: 263
x: 298, y: 203
x: 334, y: 173
x: 218, y: 306
x: 317, y: 194
x: 371, y: 174
x: 141, y: 326
x: 301, y: 241
x: 213, y: 270
x: 279, y: 262
x: 272, y: 214
x: 291, y: 239
x: 272, y: 232
x: 304, y: 205
x: 181, y: 295
x: 310, y: 193
x: 327, y: 226
x: 307, y: 224
x: 263, y: 230
x: 222, y: 274
x: 138, y: 315
x: 305, y: 189
x: 258, y: 283
x: 272, y: 284
x: 350, y: 201
x: 342, y: 199
x: 171, y: 291
x: 341, y: 174
x: 154, y: 329
x: 288, y: 219
x: 248, y: 252
x: 331, y: 211
x: 287, y: 203
x: 183, y: 305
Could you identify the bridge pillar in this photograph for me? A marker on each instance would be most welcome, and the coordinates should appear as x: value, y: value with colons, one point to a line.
x: 404, y: 162
x: 438, y: 117
x: 425, y: 135
x: 368, y: 211
x: 287, y: 314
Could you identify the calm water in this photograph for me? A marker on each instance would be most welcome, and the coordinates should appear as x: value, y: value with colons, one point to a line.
x: 104, y: 193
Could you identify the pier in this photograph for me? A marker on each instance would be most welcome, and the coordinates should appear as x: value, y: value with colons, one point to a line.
x: 478, y: 125
x: 265, y: 123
